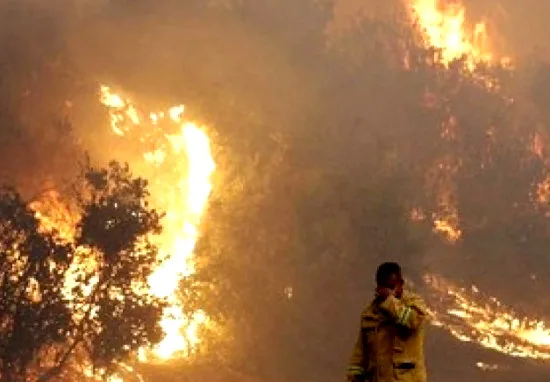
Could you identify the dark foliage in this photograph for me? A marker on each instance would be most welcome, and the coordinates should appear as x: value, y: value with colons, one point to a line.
x: 44, y: 323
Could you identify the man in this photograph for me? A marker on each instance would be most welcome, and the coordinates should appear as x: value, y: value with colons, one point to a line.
x: 390, y: 344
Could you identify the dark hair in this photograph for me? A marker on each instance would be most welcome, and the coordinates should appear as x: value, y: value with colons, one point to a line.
x: 385, y: 271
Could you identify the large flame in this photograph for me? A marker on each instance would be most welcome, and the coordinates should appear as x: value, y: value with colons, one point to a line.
x: 467, y: 314
x: 470, y: 316
x: 180, y: 165
x: 443, y: 25
x: 174, y: 154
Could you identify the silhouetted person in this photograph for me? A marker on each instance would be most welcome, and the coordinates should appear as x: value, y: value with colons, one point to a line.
x: 390, y: 344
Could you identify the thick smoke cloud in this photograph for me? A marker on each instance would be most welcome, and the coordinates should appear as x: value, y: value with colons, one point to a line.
x: 323, y: 148
x: 37, y: 82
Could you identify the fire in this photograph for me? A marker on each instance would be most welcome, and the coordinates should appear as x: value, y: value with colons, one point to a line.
x: 469, y: 315
x: 177, y: 159
x: 472, y: 317
x: 56, y: 216
x: 487, y: 367
x: 443, y: 26
x: 440, y: 183
x: 181, y: 190
x: 448, y: 228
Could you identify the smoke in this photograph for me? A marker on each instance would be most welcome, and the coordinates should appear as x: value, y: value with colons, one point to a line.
x: 34, y: 132
x: 520, y: 27
x: 323, y: 150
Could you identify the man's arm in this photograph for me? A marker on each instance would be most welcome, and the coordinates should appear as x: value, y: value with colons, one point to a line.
x: 410, y: 314
x: 356, y: 370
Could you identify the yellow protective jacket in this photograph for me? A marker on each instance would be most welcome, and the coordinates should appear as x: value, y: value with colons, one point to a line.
x: 390, y: 344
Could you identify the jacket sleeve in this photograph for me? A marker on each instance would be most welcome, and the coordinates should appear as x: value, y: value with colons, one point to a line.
x: 356, y: 369
x: 410, y: 314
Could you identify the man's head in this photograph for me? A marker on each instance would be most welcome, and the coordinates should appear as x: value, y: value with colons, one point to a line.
x: 388, y: 275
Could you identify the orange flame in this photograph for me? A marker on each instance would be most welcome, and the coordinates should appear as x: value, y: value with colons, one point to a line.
x: 469, y: 315
x: 443, y: 27
x: 473, y: 317
x: 183, y: 196
x: 181, y: 191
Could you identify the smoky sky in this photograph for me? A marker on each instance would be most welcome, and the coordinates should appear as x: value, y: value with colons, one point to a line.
x: 259, y: 75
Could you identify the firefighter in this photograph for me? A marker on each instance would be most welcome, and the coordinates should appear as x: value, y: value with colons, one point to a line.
x: 390, y: 343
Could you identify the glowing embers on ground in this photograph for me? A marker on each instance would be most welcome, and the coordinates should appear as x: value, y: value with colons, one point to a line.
x: 179, y: 164
x: 486, y: 366
x: 443, y: 26
x: 470, y: 316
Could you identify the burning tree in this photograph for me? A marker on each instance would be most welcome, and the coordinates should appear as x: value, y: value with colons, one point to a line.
x: 34, y: 315
x: 370, y: 183
x: 83, y: 297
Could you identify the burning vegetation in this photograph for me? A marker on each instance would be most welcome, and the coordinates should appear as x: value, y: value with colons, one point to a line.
x: 181, y: 165
x: 408, y: 137
x: 78, y: 294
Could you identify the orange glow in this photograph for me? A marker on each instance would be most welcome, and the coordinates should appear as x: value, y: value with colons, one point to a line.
x: 472, y: 317
x: 443, y: 26
x: 468, y: 314
x: 183, y: 194
x: 180, y: 168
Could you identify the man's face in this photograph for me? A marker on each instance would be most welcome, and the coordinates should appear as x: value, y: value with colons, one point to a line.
x: 395, y: 283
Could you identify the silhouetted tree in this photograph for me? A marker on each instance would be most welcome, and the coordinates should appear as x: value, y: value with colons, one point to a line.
x: 33, y: 310
x: 84, y: 298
